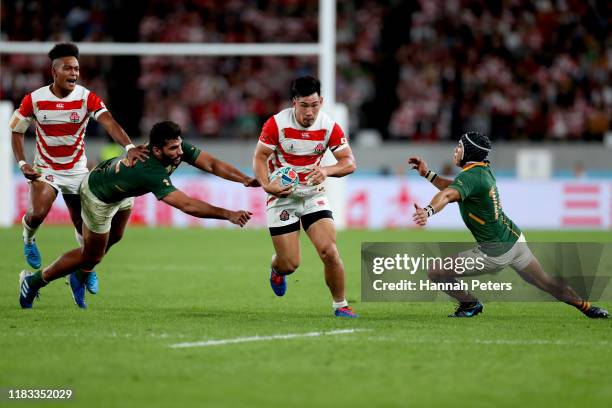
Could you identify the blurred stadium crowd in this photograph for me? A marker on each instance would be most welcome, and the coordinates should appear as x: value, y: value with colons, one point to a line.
x: 422, y: 70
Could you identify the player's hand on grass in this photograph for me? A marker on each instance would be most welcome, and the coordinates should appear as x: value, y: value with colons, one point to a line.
x: 276, y: 189
x: 420, y: 216
x: 240, y: 217
x: 140, y: 152
x: 419, y: 165
x: 251, y: 182
x: 317, y: 176
x: 29, y: 172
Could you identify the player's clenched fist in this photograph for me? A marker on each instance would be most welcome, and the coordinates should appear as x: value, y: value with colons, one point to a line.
x: 419, y: 165
x: 240, y: 217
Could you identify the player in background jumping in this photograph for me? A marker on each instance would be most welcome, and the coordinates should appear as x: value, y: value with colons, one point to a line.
x: 500, y: 241
x: 298, y: 137
x: 60, y: 113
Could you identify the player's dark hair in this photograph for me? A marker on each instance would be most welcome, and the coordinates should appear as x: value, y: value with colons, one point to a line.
x: 161, y: 132
x: 305, y: 86
x: 63, y: 50
x: 476, y: 147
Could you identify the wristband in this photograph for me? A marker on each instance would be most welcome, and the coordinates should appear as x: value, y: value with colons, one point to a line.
x: 128, y: 147
x: 429, y: 210
x: 22, y: 163
x: 431, y: 176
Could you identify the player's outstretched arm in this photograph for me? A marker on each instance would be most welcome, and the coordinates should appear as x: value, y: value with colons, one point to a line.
x: 438, y: 202
x: 420, y: 165
x: 345, y: 166
x: 210, y: 164
x: 202, y: 209
x: 260, y: 168
x: 111, y: 126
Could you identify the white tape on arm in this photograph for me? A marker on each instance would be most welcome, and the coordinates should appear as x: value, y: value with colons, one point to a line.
x: 18, y: 123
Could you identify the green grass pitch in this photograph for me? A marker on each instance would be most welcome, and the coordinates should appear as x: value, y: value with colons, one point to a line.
x: 165, y: 286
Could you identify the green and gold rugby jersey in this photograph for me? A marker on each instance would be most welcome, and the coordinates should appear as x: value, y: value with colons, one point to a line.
x: 111, y: 181
x: 481, y: 209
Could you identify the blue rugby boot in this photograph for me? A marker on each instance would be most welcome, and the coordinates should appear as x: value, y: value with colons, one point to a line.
x: 32, y: 255
x: 278, y: 283
x: 29, y: 285
x: 78, y: 290
x: 91, y: 283
x: 345, y: 312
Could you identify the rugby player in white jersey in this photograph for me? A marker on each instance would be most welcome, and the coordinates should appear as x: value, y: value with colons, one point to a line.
x: 60, y: 113
x: 298, y: 137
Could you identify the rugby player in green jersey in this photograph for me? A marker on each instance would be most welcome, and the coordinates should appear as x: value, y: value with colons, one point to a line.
x: 107, y: 196
x: 500, y: 242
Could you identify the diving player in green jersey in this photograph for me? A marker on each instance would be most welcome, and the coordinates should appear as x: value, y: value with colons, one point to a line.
x: 107, y: 195
x: 500, y: 242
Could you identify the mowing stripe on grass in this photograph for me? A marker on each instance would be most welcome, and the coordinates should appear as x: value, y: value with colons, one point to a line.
x: 222, y: 342
x: 499, y: 342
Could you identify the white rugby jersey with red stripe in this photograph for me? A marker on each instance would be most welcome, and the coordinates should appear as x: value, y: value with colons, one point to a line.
x: 299, y: 147
x: 60, y: 126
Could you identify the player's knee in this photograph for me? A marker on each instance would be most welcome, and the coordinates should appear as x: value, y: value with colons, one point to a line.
x: 329, y: 254
x: 287, y: 266
x: 114, y: 238
x: 35, y: 217
x: 90, y: 260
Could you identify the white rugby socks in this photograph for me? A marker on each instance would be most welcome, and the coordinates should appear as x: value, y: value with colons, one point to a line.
x: 338, y: 305
x: 28, y: 232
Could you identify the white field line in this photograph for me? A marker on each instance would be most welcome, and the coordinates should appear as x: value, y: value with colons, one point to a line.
x: 236, y: 340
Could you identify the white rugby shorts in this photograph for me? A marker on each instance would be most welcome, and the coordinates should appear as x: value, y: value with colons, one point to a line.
x: 518, y: 257
x: 283, y: 212
x: 60, y: 181
x: 96, y: 214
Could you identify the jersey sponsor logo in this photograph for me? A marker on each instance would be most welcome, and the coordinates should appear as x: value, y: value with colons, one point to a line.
x: 320, y: 149
x: 166, y: 182
x: 321, y: 203
x: 312, y: 135
x: 74, y: 117
x: 58, y: 106
x: 49, y: 177
x: 284, y: 215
